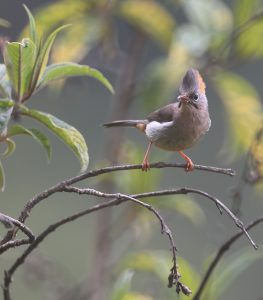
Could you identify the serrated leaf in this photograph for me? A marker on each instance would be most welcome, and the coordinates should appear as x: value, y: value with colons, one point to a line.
x: 243, y: 108
x: 19, y: 60
x: 11, y: 146
x: 68, y: 69
x: 42, y: 58
x: 35, y: 133
x: 151, y: 17
x: 247, y: 43
x: 6, y: 108
x: 67, y: 133
x: 2, y: 177
x: 32, y: 26
x: 5, y: 85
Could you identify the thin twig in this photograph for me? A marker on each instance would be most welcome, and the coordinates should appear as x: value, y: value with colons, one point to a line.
x: 221, y: 206
x: 59, y: 186
x: 117, y: 199
x: 51, y: 228
x: 174, y: 275
x: 221, y: 251
x: 13, y: 244
x: 7, y: 221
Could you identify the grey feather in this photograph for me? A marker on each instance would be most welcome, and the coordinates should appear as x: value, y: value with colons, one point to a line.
x: 125, y: 123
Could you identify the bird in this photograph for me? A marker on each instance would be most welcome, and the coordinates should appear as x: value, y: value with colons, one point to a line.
x: 176, y: 126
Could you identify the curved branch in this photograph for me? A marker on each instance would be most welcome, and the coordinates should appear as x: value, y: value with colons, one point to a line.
x: 221, y: 206
x: 221, y: 251
x: 13, y: 244
x: 117, y: 199
x: 60, y: 186
x: 10, y: 222
x: 51, y: 228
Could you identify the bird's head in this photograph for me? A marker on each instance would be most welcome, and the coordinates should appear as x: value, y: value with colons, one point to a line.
x: 192, y: 90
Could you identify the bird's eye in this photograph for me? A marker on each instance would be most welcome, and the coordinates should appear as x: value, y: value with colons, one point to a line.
x: 195, y: 97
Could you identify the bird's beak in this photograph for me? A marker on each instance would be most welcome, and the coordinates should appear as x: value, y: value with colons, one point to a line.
x: 183, y: 98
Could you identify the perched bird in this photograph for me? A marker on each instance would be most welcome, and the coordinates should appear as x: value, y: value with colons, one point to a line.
x: 176, y: 126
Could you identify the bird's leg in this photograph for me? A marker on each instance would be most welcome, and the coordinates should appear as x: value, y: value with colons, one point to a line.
x: 189, y: 164
x: 145, y: 163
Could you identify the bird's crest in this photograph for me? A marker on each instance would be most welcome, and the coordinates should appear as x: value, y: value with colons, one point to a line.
x: 192, y: 81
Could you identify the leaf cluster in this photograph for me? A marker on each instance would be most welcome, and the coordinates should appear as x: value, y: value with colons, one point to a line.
x: 26, y: 71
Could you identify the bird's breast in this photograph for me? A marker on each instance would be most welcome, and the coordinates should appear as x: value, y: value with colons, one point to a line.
x: 181, y: 133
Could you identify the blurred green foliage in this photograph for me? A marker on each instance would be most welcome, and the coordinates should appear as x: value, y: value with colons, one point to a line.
x: 24, y: 73
x: 208, y: 35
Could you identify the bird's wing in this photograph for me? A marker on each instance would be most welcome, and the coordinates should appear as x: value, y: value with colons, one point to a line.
x: 164, y: 114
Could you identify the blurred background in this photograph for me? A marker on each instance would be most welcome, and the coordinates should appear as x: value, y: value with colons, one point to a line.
x: 143, y: 47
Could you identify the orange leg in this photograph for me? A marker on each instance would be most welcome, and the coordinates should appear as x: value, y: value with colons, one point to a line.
x: 145, y: 163
x: 189, y: 164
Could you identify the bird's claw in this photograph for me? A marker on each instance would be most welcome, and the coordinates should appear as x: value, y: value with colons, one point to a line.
x: 189, y: 166
x: 145, y: 166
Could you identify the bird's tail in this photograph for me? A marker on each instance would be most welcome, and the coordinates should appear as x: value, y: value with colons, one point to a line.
x: 125, y: 123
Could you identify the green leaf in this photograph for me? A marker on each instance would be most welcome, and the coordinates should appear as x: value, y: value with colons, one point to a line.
x: 243, y: 108
x: 6, y: 108
x: 19, y: 60
x: 68, y: 134
x: 2, y: 177
x: 227, y: 272
x: 122, y: 285
x: 4, y: 23
x: 160, y: 263
x: 35, y: 133
x: 249, y: 12
x: 184, y: 205
x: 11, y: 146
x: 5, y: 85
x: 68, y: 69
x: 218, y: 15
x: 150, y: 17
x: 42, y: 58
x: 32, y: 26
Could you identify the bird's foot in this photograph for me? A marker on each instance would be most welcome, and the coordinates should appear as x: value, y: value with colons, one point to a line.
x: 145, y: 166
x: 189, y: 165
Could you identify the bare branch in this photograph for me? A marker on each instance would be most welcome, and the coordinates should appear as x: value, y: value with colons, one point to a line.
x: 221, y: 251
x: 60, y: 186
x: 13, y: 244
x: 117, y: 199
x: 221, y: 206
x: 10, y: 222
x: 51, y: 228
x: 173, y: 278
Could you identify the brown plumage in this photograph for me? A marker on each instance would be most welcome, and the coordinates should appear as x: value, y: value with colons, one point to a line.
x: 176, y: 126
